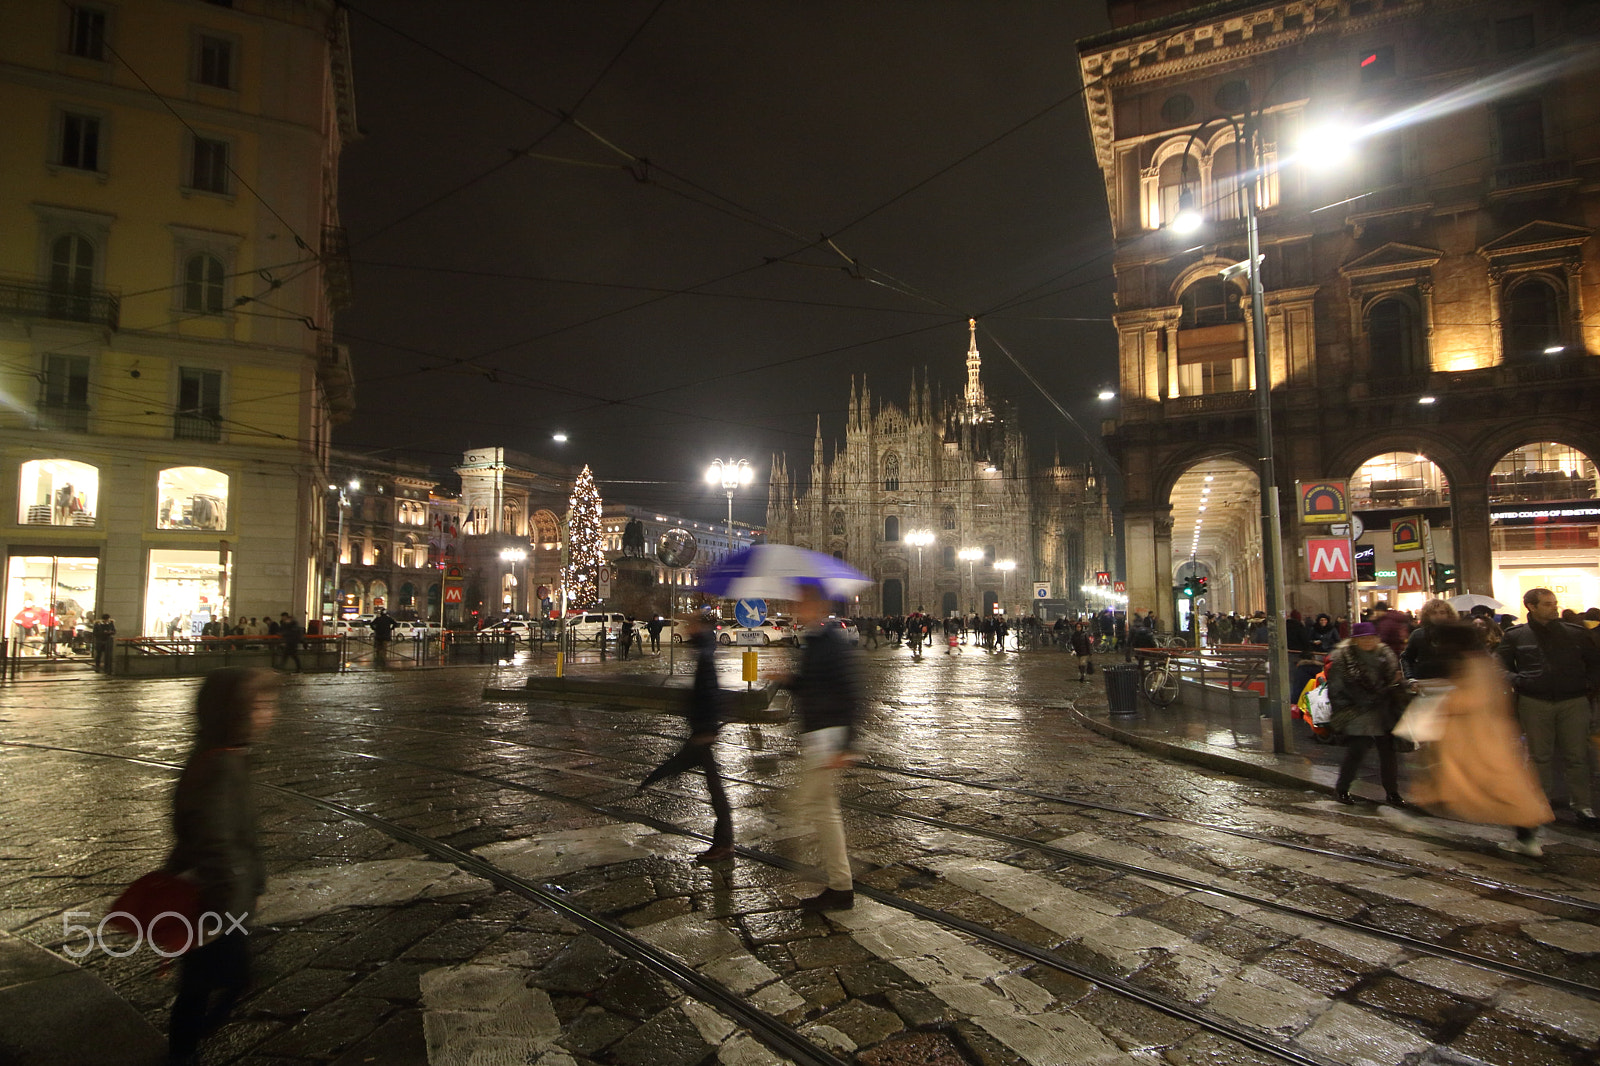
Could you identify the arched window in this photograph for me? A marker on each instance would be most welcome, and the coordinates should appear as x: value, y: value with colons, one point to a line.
x: 891, y: 473
x: 947, y: 518
x: 891, y: 528
x: 408, y: 552
x: 57, y: 492
x: 1532, y: 318
x: 408, y: 596
x: 1223, y: 201
x: 948, y: 558
x: 202, y: 285
x: 510, y: 517
x: 1398, y: 479
x: 836, y: 526
x: 1395, y: 343
x: 546, y: 529
x: 1209, y: 301
x: 1546, y: 472
x: 71, y: 277
x: 1170, y: 185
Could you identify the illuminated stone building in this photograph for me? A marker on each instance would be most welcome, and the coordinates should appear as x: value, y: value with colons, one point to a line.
x: 958, y: 469
x: 1432, y: 305
x: 170, y: 259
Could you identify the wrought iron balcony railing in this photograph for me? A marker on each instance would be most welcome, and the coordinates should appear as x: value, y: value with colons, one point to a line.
x: 29, y: 298
x: 188, y: 425
x: 67, y: 417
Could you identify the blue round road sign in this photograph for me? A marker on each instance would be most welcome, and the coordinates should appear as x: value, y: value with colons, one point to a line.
x: 750, y: 613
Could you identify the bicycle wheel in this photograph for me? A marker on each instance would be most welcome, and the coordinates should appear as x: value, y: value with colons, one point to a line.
x: 1177, y: 642
x: 1160, y: 686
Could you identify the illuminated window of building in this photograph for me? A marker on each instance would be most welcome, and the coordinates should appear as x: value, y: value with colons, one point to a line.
x: 191, y: 497
x: 891, y: 473
x: 1211, y: 338
x: 1544, y: 472
x: 1397, y: 480
x: 57, y: 492
x: 1170, y: 185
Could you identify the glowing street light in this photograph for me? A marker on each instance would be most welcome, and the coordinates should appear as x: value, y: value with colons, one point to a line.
x: 730, y: 474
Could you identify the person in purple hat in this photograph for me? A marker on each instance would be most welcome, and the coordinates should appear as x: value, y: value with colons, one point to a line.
x: 1365, y: 689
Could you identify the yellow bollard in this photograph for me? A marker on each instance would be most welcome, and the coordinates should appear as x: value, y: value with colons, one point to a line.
x: 561, y: 658
x: 749, y: 668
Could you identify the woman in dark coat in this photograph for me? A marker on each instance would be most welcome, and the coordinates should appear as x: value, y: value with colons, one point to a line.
x: 1364, y: 686
x: 1422, y: 659
x: 214, y: 821
x: 1324, y: 635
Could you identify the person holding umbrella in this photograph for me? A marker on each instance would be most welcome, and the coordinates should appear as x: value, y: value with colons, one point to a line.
x: 705, y: 719
x: 827, y: 688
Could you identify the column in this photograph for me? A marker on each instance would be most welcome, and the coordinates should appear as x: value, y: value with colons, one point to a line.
x: 1469, y: 521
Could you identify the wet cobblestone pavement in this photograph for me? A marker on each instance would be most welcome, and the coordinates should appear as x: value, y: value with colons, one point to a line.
x: 460, y: 881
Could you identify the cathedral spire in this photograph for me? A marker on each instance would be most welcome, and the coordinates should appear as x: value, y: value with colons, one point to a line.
x: 974, y: 397
x: 816, y: 446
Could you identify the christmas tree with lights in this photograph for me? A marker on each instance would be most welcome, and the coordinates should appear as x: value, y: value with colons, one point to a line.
x: 586, y: 553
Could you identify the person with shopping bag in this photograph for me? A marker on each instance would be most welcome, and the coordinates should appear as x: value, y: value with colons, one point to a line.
x: 1366, y: 693
x: 214, y: 822
x: 1477, y: 769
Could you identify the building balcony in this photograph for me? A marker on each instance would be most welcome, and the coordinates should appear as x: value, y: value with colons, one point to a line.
x: 336, y: 273
x: 1540, y: 176
x: 338, y: 381
x: 66, y: 417
x: 188, y: 425
x: 30, y: 298
x: 1240, y: 400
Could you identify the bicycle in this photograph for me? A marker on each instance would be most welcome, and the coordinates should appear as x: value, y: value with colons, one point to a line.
x: 1159, y: 684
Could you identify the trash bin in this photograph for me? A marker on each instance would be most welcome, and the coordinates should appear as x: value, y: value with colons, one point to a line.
x: 1122, y: 687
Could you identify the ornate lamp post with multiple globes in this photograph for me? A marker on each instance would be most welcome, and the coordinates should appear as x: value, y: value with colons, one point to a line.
x: 730, y: 474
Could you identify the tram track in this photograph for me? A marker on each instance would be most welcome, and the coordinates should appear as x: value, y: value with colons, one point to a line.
x: 770, y: 1030
x: 1377, y: 862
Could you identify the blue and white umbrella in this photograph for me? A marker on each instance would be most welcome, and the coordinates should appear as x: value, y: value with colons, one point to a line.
x: 782, y: 572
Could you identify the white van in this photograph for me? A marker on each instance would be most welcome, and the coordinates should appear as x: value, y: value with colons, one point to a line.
x: 589, y: 626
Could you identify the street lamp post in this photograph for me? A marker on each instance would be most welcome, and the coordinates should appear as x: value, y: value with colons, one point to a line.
x: 919, y: 538
x: 971, y: 556
x: 1246, y: 131
x: 338, y: 550
x: 1005, y: 566
x: 730, y: 474
x: 514, y: 556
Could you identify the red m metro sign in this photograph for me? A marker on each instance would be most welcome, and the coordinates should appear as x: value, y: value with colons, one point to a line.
x: 1330, y: 559
x: 1408, y: 575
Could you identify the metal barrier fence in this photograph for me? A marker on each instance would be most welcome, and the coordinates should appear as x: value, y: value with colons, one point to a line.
x: 1235, y: 669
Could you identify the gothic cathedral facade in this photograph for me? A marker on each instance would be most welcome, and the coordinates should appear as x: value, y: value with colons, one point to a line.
x: 1001, y: 527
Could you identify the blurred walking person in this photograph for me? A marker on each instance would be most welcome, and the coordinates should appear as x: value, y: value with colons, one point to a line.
x: 214, y: 822
x: 1478, y: 771
x: 705, y: 719
x: 290, y: 635
x: 1083, y: 648
x: 1365, y: 689
x: 827, y: 695
x: 1554, y: 667
x: 104, y: 635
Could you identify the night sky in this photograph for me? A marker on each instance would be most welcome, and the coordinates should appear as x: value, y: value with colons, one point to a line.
x: 519, y: 273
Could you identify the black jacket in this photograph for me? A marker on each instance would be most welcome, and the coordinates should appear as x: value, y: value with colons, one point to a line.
x: 827, y: 690
x: 1558, y: 661
x: 1421, y: 660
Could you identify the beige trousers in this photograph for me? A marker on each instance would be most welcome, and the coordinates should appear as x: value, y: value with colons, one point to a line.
x: 819, y: 802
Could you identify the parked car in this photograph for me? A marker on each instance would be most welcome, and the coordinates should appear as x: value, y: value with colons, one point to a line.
x: 589, y: 626
x: 771, y: 631
x: 851, y: 634
x: 359, y: 628
x: 420, y: 629
x: 519, y: 628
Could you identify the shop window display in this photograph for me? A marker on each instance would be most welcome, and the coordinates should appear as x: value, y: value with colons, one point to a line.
x: 57, y: 492
x: 192, y: 497
x: 50, y: 604
x: 184, y: 590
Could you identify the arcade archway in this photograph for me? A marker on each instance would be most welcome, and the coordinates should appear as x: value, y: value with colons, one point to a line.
x: 1545, y: 525
x: 1216, y: 534
x: 1397, y: 485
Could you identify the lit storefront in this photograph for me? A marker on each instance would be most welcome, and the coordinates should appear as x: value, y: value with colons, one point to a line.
x: 185, y: 589
x: 49, y: 597
x: 1544, y: 512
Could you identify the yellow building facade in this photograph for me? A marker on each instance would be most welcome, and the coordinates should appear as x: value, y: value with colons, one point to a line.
x: 170, y: 260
